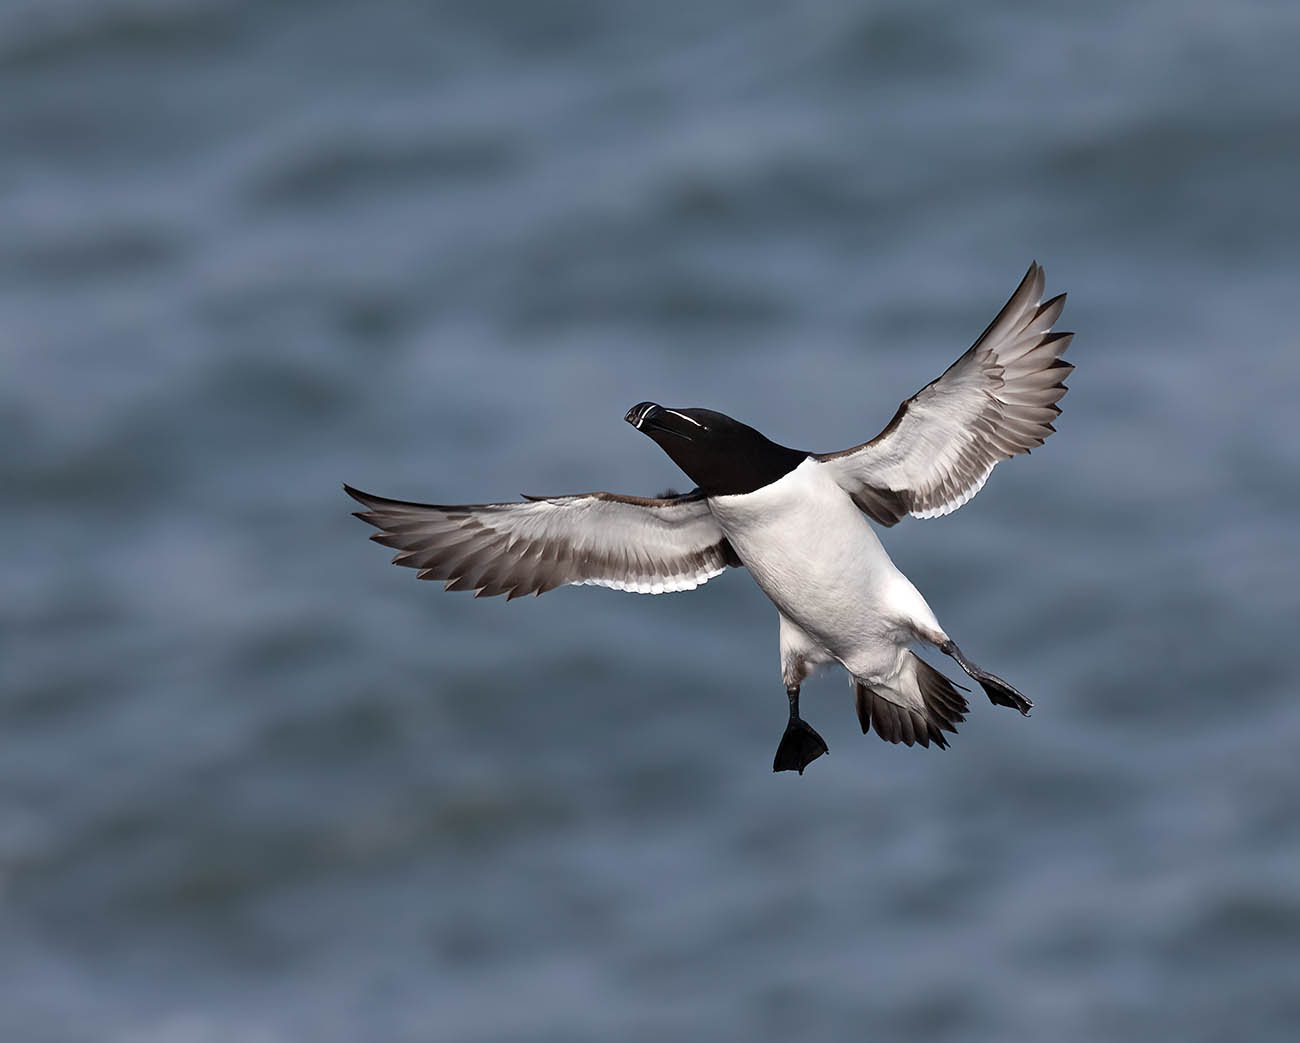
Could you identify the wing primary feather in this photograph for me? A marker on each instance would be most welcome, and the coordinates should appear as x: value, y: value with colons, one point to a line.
x: 998, y: 400
x: 647, y: 545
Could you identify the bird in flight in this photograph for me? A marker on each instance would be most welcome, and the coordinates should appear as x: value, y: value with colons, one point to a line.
x: 798, y: 521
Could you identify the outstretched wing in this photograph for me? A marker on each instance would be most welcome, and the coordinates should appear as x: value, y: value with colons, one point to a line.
x: 997, y: 400
x: 649, y: 546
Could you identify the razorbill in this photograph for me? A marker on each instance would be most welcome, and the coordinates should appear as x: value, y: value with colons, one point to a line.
x: 796, y: 520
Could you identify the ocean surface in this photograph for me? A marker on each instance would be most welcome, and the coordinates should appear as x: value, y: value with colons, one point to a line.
x: 258, y: 785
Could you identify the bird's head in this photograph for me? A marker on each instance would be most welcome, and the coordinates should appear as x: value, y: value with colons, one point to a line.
x: 721, y: 455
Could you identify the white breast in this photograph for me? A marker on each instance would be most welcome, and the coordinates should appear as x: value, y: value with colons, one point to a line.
x: 817, y: 557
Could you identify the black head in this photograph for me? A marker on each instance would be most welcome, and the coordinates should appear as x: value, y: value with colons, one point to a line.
x: 720, y: 455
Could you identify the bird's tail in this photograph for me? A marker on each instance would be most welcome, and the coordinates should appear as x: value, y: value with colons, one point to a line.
x: 918, y: 707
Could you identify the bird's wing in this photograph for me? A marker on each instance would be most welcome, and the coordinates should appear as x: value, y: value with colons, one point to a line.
x: 997, y: 400
x: 649, y: 546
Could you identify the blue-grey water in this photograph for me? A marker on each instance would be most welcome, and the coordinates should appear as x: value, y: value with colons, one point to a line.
x: 256, y: 784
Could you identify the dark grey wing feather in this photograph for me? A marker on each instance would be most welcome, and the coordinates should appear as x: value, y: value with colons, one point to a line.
x: 649, y: 546
x: 997, y: 400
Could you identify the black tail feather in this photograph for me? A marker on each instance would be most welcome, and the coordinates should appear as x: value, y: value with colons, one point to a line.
x: 944, y: 710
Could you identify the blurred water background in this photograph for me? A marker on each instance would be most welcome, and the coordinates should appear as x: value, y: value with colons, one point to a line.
x: 256, y: 784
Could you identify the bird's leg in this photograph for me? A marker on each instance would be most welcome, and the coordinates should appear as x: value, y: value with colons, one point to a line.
x: 800, y: 745
x: 999, y: 692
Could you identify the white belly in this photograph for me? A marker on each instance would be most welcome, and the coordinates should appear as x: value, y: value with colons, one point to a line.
x: 817, y: 557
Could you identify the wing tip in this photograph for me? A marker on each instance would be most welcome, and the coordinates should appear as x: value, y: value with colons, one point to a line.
x: 1035, y: 275
x: 357, y: 494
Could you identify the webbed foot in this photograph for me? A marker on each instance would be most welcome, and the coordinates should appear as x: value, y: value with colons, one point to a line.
x: 999, y: 692
x: 800, y: 745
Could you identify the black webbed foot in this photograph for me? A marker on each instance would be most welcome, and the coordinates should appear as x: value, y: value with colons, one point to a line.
x: 800, y: 745
x: 1002, y: 694
x: 999, y: 692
